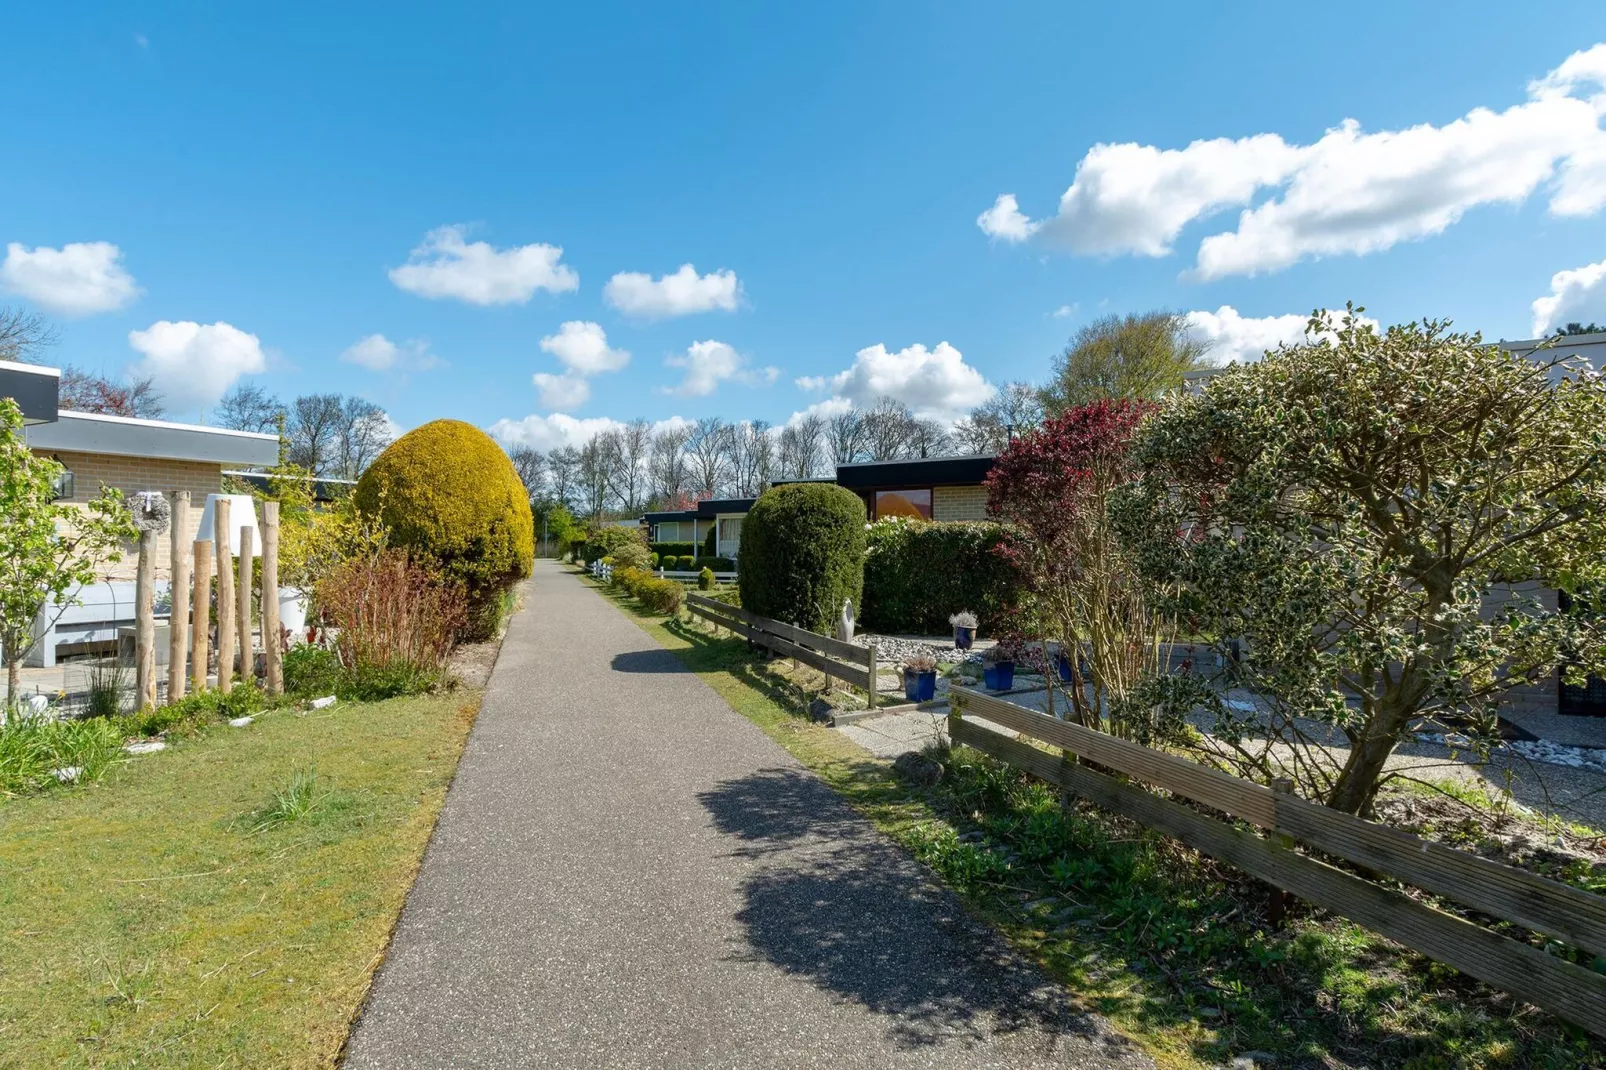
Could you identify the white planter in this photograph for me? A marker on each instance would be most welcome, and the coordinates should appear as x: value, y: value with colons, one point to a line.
x: 293, y: 612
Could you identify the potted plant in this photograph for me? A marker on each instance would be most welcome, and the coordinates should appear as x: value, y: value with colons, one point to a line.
x: 964, y: 623
x: 920, y: 678
x: 998, y: 668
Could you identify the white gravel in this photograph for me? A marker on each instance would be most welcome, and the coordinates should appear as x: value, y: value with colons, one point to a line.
x: 1538, y: 750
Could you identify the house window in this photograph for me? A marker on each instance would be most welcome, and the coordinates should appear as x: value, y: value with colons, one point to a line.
x: 915, y: 503
x: 730, y: 536
x: 668, y: 531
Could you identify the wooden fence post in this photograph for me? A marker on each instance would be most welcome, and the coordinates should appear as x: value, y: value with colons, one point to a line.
x: 873, y: 681
x: 1277, y: 907
x: 201, y: 615
x: 178, y: 619
x: 270, y: 597
x: 145, y: 622
x: 247, y: 664
x: 225, y: 597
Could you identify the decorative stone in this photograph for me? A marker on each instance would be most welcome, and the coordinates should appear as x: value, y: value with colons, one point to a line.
x: 240, y: 722
x: 145, y: 746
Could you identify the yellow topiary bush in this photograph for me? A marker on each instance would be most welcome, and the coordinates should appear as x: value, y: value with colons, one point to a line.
x: 447, y: 493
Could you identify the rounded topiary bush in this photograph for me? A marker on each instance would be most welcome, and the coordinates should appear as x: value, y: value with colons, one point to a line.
x: 803, y: 553
x: 449, y: 495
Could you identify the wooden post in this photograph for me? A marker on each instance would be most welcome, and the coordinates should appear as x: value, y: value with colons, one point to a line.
x: 178, y: 621
x: 247, y: 664
x: 225, y: 598
x: 270, y: 597
x: 145, y: 622
x: 874, y: 683
x: 1280, y: 900
x: 201, y: 615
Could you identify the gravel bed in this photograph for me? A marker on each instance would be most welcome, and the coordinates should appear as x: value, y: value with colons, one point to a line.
x: 897, y: 651
x: 1538, y: 750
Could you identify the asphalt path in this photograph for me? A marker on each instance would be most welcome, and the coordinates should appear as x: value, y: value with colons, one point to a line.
x: 627, y: 873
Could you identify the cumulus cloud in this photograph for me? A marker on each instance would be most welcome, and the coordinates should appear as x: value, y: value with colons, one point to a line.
x: 936, y: 383
x: 1576, y: 295
x: 1233, y: 338
x: 561, y: 393
x: 1350, y: 192
x: 636, y: 293
x: 78, y: 279
x: 583, y: 347
x: 379, y: 354
x: 1004, y: 221
x: 194, y: 364
x: 446, y: 264
x: 710, y: 363
x: 548, y: 432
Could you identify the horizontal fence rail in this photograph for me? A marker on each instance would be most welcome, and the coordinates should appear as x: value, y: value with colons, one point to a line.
x: 1502, y: 891
x: 692, y: 574
x: 837, y: 659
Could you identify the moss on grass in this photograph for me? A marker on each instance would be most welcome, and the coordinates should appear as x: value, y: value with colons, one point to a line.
x: 218, y: 904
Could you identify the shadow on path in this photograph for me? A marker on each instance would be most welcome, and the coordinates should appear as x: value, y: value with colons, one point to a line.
x: 849, y: 910
x: 657, y: 660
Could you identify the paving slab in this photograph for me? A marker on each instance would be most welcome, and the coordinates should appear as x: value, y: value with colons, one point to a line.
x: 626, y: 873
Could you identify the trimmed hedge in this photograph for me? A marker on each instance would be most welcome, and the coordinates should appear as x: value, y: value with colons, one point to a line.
x: 672, y: 549
x: 917, y: 573
x: 711, y: 542
x: 717, y: 564
x: 685, y: 563
x: 803, y: 554
x: 660, y: 596
x: 609, y: 540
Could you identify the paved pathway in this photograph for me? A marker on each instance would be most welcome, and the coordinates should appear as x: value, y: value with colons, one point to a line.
x: 629, y: 874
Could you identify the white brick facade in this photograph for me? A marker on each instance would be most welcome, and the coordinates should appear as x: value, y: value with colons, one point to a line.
x: 959, y: 503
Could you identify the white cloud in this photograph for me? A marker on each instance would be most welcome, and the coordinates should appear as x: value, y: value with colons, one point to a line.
x: 1239, y: 339
x: 194, y: 364
x: 559, y: 429
x: 1576, y: 295
x: 78, y: 279
x: 446, y: 264
x: 561, y: 393
x: 379, y: 354
x: 936, y: 383
x: 638, y: 294
x: 1065, y: 312
x: 1004, y: 221
x: 710, y: 363
x: 583, y: 347
x: 1349, y: 192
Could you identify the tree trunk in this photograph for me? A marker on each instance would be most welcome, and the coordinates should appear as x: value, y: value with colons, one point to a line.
x: 13, y: 680
x: 1357, y: 782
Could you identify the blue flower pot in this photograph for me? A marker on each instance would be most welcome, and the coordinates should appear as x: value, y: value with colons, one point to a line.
x: 963, y: 637
x: 999, y: 676
x: 919, y: 686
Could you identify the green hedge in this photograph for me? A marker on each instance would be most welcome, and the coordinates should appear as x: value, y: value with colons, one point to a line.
x: 672, y: 549
x: 604, y: 541
x: 803, y: 553
x: 917, y: 573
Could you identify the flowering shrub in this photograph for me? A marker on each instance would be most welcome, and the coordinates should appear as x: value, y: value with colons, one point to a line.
x: 395, y: 621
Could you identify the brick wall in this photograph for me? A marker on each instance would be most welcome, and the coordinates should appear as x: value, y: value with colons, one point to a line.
x: 130, y: 475
x: 959, y: 503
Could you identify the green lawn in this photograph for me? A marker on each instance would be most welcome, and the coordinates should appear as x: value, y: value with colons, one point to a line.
x: 1171, y: 946
x: 223, y: 902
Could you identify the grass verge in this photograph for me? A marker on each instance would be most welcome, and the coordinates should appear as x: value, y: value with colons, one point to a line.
x: 1166, y: 943
x: 222, y: 903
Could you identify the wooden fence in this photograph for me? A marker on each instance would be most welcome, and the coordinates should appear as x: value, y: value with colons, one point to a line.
x: 837, y: 659
x: 1508, y: 894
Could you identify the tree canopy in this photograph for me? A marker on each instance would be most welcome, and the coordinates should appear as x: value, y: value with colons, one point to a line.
x: 1139, y: 356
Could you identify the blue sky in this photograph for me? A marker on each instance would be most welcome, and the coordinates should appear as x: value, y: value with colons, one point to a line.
x: 257, y: 173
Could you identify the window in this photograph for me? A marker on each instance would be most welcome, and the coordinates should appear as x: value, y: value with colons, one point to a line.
x: 915, y: 503
x: 730, y: 535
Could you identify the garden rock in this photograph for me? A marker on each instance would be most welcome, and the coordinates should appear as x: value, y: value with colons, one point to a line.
x: 68, y: 774
x: 918, y: 769
x: 240, y: 722
x: 821, y: 711
x: 145, y: 746
x: 323, y: 703
x: 1253, y: 1060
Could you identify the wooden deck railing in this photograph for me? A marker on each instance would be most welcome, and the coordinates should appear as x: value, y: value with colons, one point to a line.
x: 1503, y: 892
x: 837, y: 659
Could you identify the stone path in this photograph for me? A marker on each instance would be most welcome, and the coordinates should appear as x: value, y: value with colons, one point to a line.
x: 627, y: 873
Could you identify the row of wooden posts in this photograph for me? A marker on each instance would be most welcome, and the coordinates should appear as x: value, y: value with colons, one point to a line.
x: 189, y: 626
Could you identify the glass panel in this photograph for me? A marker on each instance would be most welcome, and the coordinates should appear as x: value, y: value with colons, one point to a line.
x: 915, y: 503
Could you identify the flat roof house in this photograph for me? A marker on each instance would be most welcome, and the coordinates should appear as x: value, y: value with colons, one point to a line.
x: 723, y: 515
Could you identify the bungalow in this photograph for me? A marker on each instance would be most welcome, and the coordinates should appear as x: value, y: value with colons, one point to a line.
x: 722, y: 515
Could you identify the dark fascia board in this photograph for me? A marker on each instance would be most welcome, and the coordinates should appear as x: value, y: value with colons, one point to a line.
x: 35, y: 389
x: 723, y: 507
x: 662, y: 518
x: 916, y: 472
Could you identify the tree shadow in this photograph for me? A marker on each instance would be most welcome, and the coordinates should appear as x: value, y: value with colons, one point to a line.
x: 655, y: 660
x: 844, y: 907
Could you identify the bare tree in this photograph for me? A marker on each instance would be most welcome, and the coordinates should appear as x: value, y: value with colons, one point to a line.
x: 709, y: 450
x: 628, y: 450
x: 928, y: 438
x: 314, y: 432
x: 363, y: 434
x: 248, y: 407
x: 752, y: 451
x: 1013, y: 411
x: 888, y: 430
x: 23, y: 334
x: 845, y: 433
x: 667, y: 463
x: 972, y: 434
x: 593, y: 477
x: 82, y: 391
x: 531, y: 466
x: 798, y: 451
x: 564, y: 464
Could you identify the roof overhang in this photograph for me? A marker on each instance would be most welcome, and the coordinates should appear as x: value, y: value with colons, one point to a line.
x: 34, y: 388
x: 86, y: 432
x: 920, y: 472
